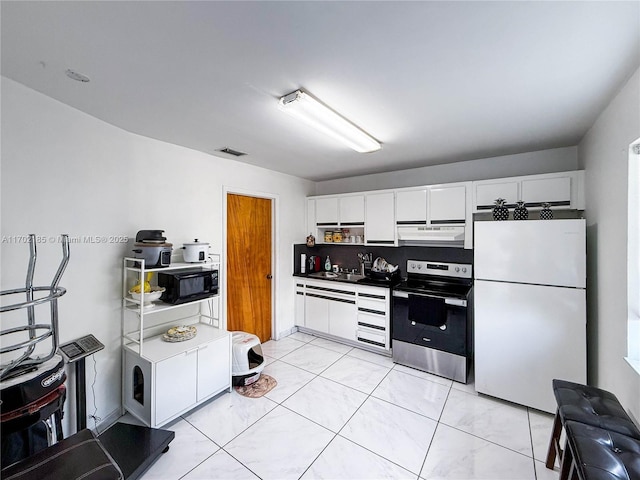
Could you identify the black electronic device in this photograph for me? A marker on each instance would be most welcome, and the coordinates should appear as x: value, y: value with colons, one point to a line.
x: 80, y: 348
x: 188, y: 285
x: 75, y: 352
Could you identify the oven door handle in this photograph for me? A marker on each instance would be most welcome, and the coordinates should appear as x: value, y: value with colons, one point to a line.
x: 457, y: 302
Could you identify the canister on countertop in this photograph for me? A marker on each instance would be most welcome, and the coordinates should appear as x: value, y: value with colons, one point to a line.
x: 328, y: 236
x: 337, y: 236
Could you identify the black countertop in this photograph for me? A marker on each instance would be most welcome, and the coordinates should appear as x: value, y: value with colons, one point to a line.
x: 364, y: 281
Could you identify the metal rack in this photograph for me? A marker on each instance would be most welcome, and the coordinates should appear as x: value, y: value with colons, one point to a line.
x: 37, y: 332
x: 134, y: 271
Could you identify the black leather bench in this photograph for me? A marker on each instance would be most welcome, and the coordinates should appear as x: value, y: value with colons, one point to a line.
x: 593, y: 453
x: 588, y: 405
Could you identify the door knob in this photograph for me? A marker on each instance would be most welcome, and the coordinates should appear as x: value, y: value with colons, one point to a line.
x: 269, y: 276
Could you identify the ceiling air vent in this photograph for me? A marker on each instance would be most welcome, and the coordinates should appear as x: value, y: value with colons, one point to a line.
x: 230, y: 151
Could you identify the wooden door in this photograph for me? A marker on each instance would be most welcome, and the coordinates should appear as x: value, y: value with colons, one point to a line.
x: 249, y: 265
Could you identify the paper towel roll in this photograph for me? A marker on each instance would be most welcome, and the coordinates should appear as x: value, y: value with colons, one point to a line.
x: 303, y: 263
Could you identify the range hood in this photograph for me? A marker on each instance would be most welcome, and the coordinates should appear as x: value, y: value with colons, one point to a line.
x: 422, y: 235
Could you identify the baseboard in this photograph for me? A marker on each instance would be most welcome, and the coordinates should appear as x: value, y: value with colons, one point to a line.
x: 286, y: 333
x: 105, y: 422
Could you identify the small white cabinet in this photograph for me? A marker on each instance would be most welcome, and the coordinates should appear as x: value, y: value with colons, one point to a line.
x: 380, y: 223
x: 447, y: 204
x: 411, y: 207
x: 487, y: 192
x: 175, y: 385
x: 554, y: 190
x: 210, y: 379
x: 351, y: 210
x: 316, y: 311
x: 161, y: 379
x: 326, y: 211
x: 172, y: 378
x: 342, y: 319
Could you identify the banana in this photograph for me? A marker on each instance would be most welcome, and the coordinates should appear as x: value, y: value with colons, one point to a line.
x: 147, y: 286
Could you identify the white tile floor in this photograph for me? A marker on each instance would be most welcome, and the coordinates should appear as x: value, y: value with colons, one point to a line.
x: 344, y: 413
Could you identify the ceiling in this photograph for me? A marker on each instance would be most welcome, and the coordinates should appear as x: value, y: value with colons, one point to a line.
x: 435, y: 82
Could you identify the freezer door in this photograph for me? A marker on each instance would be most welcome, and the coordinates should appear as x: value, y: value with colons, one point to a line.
x: 525, y: 336
x: 543, y: 252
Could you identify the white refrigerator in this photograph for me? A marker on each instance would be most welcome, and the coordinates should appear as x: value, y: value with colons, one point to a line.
x: 529, y: 308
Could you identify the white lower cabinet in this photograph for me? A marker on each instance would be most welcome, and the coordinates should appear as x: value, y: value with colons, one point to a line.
x: 168, y: 379
x: 212, y: 380
x: 342, y: 318
x: 299, y: 319
x: 316, y: 313
x: 175, y: 385
x: 374, y: 317
x: 358, y: 314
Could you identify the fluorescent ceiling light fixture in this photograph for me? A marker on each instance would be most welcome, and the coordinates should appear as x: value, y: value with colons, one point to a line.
x: 314, y: 113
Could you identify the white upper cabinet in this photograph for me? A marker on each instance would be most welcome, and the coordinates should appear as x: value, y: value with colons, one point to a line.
x: 380, y: 223
x: 351, y: 210
x: 311, y: 216
x: 564, y: 189
x: 327, y: 211
x: 411, y: 207
x: 447, y: 204
x: 556, y: 191
x: 426, y: 210
x: 486, y: 193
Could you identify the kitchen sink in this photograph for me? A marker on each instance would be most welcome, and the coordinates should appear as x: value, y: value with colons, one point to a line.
x: 342, y: 277
x: 350, y: 277
x: 329, y: 275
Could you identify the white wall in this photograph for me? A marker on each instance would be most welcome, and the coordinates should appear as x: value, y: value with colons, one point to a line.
x: 530, y: 163
x: 66, y: 172
x: 603, y: 153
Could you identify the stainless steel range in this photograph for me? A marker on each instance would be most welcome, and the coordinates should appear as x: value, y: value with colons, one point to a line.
x: 432, y: 324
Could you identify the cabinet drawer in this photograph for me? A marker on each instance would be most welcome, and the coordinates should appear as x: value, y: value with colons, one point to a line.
x: 371, y: 337
x: 372, y: 320
x: 373, y: 304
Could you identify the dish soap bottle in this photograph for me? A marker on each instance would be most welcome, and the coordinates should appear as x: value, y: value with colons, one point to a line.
x: 327, y: 264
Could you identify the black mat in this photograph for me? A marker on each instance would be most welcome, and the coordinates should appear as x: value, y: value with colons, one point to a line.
x: 135, y: 448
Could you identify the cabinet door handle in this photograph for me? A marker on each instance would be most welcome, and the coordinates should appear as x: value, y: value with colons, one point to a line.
x: 269, y: 276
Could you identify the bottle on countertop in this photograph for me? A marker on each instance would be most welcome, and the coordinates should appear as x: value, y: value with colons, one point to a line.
x: 327, y: 264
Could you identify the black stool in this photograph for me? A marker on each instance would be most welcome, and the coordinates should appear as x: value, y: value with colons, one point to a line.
x: 588, y: 405
x: 593, y: 453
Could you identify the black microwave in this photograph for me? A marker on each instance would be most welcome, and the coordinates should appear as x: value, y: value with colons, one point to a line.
x: 183, y: 286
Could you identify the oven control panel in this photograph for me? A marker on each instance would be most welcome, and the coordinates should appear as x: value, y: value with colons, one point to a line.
x: 425, y: 267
